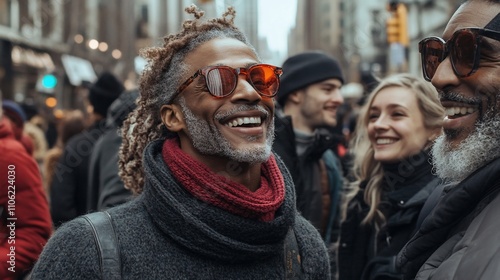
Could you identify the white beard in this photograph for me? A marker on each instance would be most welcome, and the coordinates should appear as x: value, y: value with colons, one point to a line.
x: 479, y: 148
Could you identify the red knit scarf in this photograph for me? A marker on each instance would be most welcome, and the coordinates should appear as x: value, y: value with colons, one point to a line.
x: 217, y: 190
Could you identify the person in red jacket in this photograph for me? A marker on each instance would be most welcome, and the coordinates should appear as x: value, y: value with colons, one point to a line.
x: 25, y: 224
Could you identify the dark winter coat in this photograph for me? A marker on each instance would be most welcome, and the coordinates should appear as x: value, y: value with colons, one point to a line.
x: 362, y: 255
x: 460, y: 238
x: 105, y: 188
x: 68, y: 195
x: 304, y: 167
x: 166, y: 233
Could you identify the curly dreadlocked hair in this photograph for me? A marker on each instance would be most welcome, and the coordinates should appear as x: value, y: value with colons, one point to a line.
x: 159, y: 82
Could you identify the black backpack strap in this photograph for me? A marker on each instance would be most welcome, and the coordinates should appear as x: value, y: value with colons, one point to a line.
x: 293, y: 269
x: 107, y: 244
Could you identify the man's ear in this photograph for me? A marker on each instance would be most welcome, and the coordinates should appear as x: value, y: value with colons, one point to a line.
x: 296, y: 96
x: 172, y: 117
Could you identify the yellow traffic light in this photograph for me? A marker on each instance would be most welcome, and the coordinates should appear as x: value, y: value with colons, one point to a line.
x: 392, y: 30
x: 397, y: 25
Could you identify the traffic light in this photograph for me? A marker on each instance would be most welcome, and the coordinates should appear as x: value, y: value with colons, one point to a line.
x: 47, y: 83
x: 397, y: 24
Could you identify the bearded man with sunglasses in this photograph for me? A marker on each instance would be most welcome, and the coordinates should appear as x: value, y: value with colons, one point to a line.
x: 214, y: 202
x: 460, y: 237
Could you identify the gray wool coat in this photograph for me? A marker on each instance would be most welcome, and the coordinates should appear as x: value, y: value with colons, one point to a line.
x: 166, y: 233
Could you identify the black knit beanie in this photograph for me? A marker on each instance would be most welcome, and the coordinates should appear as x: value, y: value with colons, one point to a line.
x: 104, y: 91
x: 302, y: 70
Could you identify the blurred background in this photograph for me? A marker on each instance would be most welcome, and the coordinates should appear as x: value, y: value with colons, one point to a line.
x: 50, y: 49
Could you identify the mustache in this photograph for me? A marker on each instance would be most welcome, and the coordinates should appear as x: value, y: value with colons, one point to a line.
x: 242, y: 108
x: 456, y: 97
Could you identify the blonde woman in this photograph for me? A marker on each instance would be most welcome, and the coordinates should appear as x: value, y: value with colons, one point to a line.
x: 392, y: 172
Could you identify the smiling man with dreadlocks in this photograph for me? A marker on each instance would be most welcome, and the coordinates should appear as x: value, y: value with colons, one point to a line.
x: 213, y: 201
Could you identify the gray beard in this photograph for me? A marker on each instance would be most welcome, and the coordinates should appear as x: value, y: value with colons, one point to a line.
x: 479, y: 148
x: 207, y: 139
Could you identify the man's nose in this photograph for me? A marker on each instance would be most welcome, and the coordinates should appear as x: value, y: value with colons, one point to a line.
x: 337, y: 97
x: 245, y: 91
x: 444, y: 75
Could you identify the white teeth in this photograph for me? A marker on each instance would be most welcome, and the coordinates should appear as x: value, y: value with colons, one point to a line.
x: 245, y: 120
x: 383, y: 141
x: 451, y: 111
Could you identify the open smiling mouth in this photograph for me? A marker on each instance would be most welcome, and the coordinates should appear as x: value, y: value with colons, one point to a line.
x: 245, y: 122
x: 385, y: 141
x: 458, y: 112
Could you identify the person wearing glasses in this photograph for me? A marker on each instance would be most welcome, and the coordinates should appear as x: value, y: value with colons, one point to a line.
x: 459, y: 237
x: 309, y: 97
x: 393, y: 176
x: 214, y: 202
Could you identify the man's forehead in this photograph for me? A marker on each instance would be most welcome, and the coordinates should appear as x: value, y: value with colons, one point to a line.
x: 334, y: 82
x: 471, y: 14
x: 221, y: 51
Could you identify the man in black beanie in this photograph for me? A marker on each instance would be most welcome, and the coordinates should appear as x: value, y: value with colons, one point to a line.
x: 68, y: 196
x: 309, y: 96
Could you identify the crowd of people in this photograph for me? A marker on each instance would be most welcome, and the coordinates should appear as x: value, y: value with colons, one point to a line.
x: 220, y: 166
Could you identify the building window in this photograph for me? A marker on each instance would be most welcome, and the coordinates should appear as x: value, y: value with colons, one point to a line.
x: 5, y: 12
x: 47, y: 15
x: 25, y: 18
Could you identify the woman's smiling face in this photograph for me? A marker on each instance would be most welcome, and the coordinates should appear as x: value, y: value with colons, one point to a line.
x: 396, y: 125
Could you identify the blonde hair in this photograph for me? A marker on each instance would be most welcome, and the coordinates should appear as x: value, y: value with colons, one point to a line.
x: 158, y: 83
x: 365, y: 167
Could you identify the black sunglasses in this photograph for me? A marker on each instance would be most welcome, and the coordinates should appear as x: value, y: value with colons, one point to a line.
x: 222, y: 80
x: 464, y: 49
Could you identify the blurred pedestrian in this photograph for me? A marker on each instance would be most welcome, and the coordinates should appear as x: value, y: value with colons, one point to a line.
x: 35, y: 127
x: 106, y: 189
x: 25, y: 219
x: 309, y: 95
x: 71, y: 124
x: 15, y: 114
x: 459, y: 238
x: 215, y: 203
x: 68, y: 195
x: 393, y: 175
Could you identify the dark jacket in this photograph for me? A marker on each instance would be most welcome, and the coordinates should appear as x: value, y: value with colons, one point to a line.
x: 105, y: 188
x: 459, y: 239
x: 284, y: 147
x: 166, y: 233
x: 25, y: 224
x: 68, y: 195
x: 362, y: 254
x: 304, y: 167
